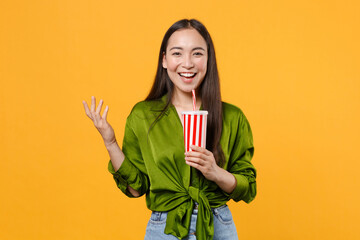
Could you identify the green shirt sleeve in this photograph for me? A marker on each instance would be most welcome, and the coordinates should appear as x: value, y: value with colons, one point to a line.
x: 132, y: 171
x: 240, y: 163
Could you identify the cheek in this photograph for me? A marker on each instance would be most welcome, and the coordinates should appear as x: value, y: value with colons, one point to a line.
x: 172, y: 64
x: 202, y: 64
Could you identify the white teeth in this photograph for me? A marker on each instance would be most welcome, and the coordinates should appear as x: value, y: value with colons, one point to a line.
x: 187, y: 74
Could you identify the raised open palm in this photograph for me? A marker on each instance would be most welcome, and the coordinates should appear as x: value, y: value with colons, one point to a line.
x: 100, y: 122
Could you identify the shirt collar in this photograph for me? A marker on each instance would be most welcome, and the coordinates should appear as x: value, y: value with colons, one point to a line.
x: 160, y: 103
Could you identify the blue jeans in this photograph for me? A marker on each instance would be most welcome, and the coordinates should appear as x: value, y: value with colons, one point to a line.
x: 224, y: 227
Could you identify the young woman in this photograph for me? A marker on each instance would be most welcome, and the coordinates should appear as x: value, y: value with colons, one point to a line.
x: 187, y: 193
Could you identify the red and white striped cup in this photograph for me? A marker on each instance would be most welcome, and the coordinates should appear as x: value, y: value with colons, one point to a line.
x: 194, y: 124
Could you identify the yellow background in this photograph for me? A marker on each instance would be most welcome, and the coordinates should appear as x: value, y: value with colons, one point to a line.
x: 291, y: 66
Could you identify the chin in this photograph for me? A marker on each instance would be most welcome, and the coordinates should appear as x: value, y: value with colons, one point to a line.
x: 186, y: 89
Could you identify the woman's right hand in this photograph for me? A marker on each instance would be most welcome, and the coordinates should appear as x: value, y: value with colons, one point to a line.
x: 100, y: 122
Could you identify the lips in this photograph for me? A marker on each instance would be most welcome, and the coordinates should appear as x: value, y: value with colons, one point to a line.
x: 187, y: 76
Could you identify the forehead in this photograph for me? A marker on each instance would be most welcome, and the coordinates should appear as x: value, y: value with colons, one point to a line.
x: 186, y: 39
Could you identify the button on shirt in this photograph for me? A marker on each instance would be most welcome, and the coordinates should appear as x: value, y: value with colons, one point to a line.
x: 155, y: 165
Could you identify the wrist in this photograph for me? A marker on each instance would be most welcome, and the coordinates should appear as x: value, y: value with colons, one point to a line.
x: 219, y: 176
x: 111, y: 145
x: 226, y: 180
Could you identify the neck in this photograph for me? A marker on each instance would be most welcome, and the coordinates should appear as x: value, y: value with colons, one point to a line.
x: 185, y: 101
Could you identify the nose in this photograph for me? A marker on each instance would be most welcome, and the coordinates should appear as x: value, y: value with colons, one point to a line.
x: 188, y: 63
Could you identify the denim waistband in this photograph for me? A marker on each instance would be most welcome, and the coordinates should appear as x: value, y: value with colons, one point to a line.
x: 214, y: 210
x: 195, y: 210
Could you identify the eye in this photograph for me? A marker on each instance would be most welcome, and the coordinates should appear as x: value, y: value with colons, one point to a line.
x: 176, y: 54
x: 198, y: 54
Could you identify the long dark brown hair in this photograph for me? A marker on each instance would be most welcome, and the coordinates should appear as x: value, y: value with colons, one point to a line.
x: 209, y: 90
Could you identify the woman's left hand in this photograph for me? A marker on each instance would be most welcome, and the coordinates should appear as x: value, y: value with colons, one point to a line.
x: 203, y: 160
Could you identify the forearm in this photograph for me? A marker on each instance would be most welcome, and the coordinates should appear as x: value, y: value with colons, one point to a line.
x: 225, y: 180
x: 117, y: 158
x: 116, y: 155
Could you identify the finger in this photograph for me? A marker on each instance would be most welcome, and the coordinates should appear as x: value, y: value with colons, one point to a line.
x: 200, y: 149
x: 93, y: 103
x: 194, y: 165
x: 87, y: 111
x: 98, y: 109
x: 198, y: 161
x: 195, y: 154
x: 96, y: 117
x: 104, y: 116
x: 197, y: 148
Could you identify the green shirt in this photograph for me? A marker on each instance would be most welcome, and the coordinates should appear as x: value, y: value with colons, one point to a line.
x: 155, y: 164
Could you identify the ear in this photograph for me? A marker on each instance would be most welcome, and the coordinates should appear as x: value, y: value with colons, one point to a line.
x: 164, y: 64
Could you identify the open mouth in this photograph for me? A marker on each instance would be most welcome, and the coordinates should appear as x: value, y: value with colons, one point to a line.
x: 187, y: 76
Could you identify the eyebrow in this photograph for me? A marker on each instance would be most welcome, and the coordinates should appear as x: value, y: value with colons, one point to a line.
x: 195, y: 48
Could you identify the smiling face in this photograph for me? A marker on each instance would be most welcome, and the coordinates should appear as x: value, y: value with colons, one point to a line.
x: 186, y: 60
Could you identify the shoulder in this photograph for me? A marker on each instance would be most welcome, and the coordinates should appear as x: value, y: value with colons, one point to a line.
x: 140, y: 107
x: 233, y: 115
x: 147, y: 108
x: 235, y: 119
x: 232, y: 111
